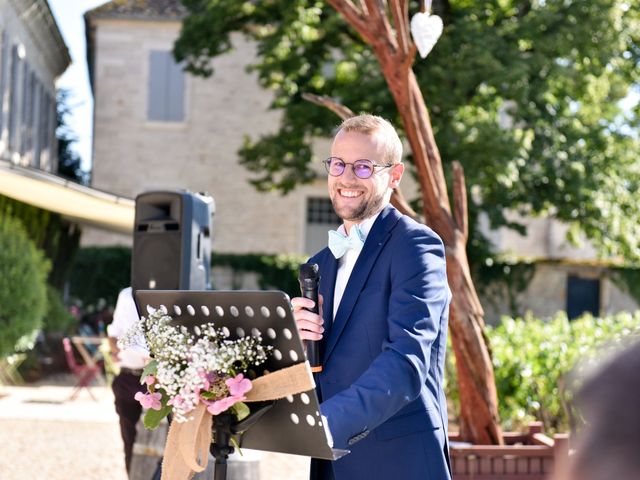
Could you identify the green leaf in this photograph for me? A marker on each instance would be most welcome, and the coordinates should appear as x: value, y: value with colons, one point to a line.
x: 153, y: 417
x: 150, y: 369
x: 240, y: 410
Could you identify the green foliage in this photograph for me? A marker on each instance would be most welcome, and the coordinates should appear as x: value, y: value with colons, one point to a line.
x: 69, y: 162
x: 538, y: 364
x: 502, y: 279
x: 99, y: 273
x: 58, y: 238
x: 23, y: 296
x: 274, y: 271
x: 627, y: 279
x: 526, y: 95
x: 57, y: 318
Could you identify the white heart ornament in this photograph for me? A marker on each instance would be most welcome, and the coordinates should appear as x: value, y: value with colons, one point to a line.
x: 426, y: 29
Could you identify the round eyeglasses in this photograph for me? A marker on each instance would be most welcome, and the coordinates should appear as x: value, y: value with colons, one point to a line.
x: 361, y: 168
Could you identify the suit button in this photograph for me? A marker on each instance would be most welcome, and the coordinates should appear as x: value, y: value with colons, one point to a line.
x: 358, y: 437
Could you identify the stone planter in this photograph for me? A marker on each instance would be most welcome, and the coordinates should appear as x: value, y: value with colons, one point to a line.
x: 526, y: 456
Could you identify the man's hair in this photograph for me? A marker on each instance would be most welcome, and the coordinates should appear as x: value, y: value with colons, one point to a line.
x: 372, y: 124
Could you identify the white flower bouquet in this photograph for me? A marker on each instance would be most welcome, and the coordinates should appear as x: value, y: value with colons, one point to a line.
x: 187, y: 369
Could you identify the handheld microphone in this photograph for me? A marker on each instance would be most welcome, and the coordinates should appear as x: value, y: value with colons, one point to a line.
x: 309, y: 279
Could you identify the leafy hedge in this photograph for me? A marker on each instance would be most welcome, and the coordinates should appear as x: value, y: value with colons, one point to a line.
x: 23, y: 294
x: 274, y: 271
x: 101, y: 272
x: 538, y: 364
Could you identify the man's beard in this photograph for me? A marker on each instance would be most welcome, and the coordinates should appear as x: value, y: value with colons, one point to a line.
x: 365, y: 210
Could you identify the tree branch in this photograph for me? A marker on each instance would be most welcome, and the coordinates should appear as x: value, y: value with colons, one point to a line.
x: 399, y: 201
x: 460, y: 211
x: 378, y: 16
x: 398, y: 9
x: 324, y: 101
x: 354, y: 17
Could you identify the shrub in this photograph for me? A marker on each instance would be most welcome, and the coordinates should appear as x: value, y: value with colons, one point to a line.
x: 23, y: 296
x: 538, y: 364
x: 99, y: 273
x: 57, y: 318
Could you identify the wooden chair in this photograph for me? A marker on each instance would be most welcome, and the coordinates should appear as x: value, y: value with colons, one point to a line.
x: 85, y: 374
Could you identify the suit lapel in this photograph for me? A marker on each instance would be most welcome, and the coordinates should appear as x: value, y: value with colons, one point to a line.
x: 328, y: 271
x: 377, y: 238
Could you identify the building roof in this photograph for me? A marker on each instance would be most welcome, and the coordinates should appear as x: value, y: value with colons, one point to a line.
x: 84, y: 205
x: 140, y: 9
x: 38, y: 20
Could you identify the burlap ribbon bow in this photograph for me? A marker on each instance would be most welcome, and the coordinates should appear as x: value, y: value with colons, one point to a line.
x: 187, y: 449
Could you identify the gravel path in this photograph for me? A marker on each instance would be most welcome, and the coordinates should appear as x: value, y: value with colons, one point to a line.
x: 45, y: 436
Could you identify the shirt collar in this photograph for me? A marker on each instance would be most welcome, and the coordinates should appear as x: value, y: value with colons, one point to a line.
x: 365, y: 226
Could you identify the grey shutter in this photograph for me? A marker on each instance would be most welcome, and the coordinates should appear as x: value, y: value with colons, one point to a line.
x: 37, y: 122
x: 175, y: 94
x: 45, y: 112
x: 156, y: 110
x: 26, y: 118
x: 14, y: 103
x: 4, y: 76
x: 166, y: 88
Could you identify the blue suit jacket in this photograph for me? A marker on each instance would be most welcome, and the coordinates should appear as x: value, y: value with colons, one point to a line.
x: 383, y: 356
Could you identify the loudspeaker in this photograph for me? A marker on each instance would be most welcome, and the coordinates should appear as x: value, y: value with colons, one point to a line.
x: 172, y: 241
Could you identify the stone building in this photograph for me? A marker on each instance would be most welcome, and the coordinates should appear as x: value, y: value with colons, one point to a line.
x: 32, y: 55
x: 158, y: 128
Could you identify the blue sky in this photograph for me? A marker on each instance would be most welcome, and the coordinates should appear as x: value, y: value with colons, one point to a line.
x: 69, y: 17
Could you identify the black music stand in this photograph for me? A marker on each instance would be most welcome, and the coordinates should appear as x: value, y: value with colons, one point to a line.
x: 290, y: 425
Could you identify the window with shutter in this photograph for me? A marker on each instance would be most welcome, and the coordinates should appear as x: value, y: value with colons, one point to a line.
x: 166, y: 88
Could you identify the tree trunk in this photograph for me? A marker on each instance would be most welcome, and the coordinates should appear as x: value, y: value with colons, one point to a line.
x: 395, y: 52
x: 479, y: 422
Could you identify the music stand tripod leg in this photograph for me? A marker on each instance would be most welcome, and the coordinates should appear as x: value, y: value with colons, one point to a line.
x: 222, y: 448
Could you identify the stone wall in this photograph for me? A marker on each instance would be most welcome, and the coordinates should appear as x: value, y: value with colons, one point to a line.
x: 133, y: 155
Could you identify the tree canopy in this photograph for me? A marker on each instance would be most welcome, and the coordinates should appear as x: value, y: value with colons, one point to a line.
x: 531, y: 97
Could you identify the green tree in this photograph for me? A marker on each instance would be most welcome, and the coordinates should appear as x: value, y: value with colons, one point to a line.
x: 23, y: 294
x: 305, y: 47
x: 524, y: 94
x: 69, y: 162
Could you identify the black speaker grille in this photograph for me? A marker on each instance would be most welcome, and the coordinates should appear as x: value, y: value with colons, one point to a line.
x: 156, y: 261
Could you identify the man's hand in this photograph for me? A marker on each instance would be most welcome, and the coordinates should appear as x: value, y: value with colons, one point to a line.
x: 309, y: 324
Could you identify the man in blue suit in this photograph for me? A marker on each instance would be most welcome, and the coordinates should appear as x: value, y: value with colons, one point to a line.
x: 383, y: 323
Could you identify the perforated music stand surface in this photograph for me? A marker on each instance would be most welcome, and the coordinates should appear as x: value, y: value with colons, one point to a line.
x: 293, y: 425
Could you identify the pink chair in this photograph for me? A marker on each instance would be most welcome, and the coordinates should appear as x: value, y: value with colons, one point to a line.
x: 85, y: 374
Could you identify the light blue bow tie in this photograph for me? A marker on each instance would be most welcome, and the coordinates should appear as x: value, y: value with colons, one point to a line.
x: 339, y: 244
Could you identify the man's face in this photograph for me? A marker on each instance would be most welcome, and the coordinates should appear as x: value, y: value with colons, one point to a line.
x: 355, y: 199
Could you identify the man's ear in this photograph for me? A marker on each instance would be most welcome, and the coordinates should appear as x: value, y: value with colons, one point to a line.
x: 396, y: 175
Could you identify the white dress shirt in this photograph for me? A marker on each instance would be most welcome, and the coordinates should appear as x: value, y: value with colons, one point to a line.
x: 348, y: 261
x: 124, y: 316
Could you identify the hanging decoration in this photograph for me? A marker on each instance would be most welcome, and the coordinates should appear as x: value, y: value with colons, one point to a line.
x: 426, y: 29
